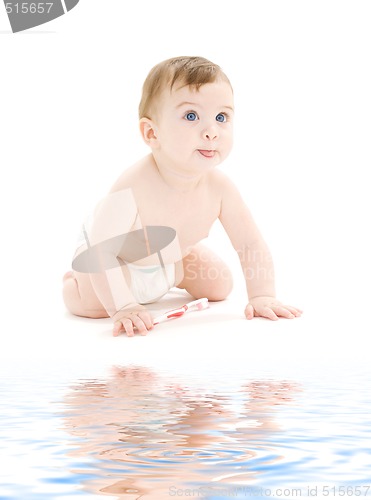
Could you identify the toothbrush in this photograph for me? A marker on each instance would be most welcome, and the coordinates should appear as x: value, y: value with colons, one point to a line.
x: 199, y: 305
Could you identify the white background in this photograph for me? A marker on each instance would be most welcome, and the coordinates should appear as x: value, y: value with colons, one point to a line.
x: 301, y: 73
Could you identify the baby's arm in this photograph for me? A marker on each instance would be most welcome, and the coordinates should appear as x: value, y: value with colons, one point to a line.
x: 113, y: 292
x: 114, y: 217
x: 254, y: 255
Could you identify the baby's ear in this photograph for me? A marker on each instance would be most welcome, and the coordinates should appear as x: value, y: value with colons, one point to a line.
x: 148, y: 131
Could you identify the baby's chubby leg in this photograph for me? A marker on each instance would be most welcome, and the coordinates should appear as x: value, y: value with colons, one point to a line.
x: 206, y: 275
x: 80, y: 297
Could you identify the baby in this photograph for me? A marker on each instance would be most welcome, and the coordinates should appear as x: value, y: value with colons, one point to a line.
x: 144, y: 237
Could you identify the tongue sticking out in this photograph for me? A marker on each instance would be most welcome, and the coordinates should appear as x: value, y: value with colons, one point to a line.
x: 207, y: 153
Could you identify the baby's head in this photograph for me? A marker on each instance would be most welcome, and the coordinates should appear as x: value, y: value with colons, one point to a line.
x: 177, y: 71
x: 186, y: 115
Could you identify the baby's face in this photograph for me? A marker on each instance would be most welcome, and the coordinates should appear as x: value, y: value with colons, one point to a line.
x: 195, y: 127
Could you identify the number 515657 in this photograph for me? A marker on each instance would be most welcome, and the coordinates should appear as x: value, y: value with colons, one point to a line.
x: 28, y: 8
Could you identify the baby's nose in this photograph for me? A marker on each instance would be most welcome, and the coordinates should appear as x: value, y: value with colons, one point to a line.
x: 210, y: 133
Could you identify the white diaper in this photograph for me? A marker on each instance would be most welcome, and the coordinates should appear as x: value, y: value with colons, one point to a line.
x: 150, y: 283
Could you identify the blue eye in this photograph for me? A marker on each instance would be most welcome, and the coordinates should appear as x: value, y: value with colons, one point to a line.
x: 221, y: 118
x: 191, y: 116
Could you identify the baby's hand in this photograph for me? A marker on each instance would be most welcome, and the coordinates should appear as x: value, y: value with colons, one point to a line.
x: 139, y: 318
x: 271, y: 308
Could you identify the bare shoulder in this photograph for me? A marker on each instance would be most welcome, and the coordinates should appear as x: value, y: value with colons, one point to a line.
x: 222, y: 184
x: 133, y: 175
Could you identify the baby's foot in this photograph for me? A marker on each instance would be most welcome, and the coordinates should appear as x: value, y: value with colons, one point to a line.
x: 69, y: 274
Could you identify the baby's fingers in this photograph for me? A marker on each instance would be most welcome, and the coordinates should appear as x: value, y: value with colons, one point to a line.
x: 284, y: 311
x: 117, y: 328
x: 270, y: 313
x: 294, y: 310
x: 142, y: 321
x: 264, y: 312
x: 124, y: 325
x: 128, y: 325
x: 249, y: 311
x: 139, y: 324
x: 273, y: 311
x: 146, y: 317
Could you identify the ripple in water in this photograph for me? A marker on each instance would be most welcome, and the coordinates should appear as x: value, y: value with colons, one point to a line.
x: 143, y: 434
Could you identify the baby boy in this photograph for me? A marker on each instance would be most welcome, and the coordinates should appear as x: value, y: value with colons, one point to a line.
x: 145, y: 236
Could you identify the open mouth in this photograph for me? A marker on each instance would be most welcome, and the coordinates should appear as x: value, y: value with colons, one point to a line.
x: 207, y: 153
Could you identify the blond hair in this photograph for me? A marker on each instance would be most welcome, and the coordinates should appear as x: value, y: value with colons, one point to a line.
x: 192, y: 71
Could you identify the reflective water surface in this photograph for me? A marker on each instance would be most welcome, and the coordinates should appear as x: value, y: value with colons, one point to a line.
x: 136, y: 432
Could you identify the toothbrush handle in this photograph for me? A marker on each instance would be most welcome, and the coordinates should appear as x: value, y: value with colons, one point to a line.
x: 175, y: 313
x: 160, y: 319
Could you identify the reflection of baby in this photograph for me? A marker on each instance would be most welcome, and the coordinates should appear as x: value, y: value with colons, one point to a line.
x: 186, y: 118
x: 152, y: 433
